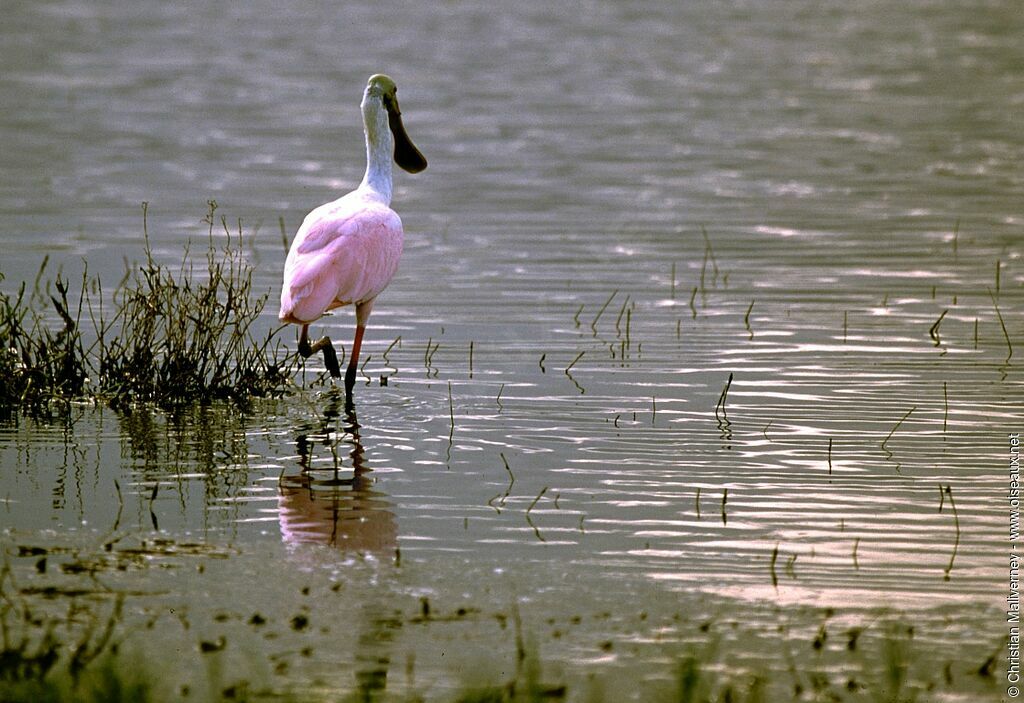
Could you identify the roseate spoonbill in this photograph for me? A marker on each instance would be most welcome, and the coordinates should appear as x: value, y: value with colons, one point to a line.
x: 346, y: 251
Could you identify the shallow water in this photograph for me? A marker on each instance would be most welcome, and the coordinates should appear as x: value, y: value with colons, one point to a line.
x: 793, y: 195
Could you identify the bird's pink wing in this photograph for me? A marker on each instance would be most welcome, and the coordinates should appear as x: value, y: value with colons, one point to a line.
x: 338, y: 259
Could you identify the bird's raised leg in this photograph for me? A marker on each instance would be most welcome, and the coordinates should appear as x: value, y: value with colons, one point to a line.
x: 324, y: 343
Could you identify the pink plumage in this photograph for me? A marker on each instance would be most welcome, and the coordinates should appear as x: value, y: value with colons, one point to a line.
x: 345, y: 253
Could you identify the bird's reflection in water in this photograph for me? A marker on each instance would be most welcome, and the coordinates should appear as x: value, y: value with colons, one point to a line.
x: 336, y: 504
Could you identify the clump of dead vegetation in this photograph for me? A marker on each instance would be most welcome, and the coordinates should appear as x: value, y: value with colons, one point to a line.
x: 172, y: 337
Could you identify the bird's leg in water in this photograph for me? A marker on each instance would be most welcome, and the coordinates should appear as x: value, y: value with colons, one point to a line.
x: 350, y: 373
x: 324, y: 343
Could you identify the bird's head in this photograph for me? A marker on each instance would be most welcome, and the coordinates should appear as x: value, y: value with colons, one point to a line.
x: 407, y: 156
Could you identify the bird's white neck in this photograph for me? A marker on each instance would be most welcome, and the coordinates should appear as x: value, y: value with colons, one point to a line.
x: 380, y: 148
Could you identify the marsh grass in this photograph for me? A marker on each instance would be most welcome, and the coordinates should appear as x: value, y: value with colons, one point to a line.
x: 108, y: 682
x: 45, y: 658
x: 37, y: 665
x: 891, y: 671
x: 173, y: 337
x: 38, y: 361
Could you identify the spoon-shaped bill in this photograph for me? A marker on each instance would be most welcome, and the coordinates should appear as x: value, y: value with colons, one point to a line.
x: 407, y: 156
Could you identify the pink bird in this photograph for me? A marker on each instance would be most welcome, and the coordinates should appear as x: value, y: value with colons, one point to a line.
x: 347, y: 251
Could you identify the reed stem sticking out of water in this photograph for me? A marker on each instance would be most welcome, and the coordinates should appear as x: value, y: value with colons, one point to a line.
x: 387, y: 361
x: 569, y: 367
x: 629, y: 320
x: 535, y: 500
x: 593, y: 324
x: 362, y: 368
x: 945, y: 406
x: 947, y: 492
x: 896, y: 427
x: 618, y: 319
x: 578, y: 357
x: 771, y: 566
x: 1002, y: 325
x: 720, y: 411
x: 933, y: 332
x: 511, y: 478
x: 451, y: 417
x: 703, y: 269
x: 428, y: 356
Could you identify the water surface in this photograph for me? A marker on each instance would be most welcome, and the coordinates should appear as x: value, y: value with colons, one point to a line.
x: 790, y: 195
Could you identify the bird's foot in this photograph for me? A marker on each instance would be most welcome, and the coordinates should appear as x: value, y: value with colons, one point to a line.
x: 307, y: 350
x: 331, y: 360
